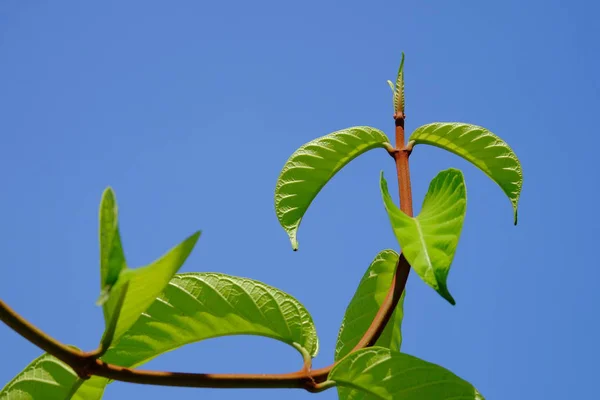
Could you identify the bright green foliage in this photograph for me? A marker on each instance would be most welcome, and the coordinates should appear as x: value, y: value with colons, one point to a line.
x: 482, y: 148
x: 313, y: 165
x: 429, y: 241
x: 48, y: 378
x: 193, y: 307
x: 200, y: 306
x: 367, y: 300
x: 399, y: 89
x: 390, y: 375
x: 152, y: 310
x: 146, y: 283
x: 112, y: 259
x: 115, y: 314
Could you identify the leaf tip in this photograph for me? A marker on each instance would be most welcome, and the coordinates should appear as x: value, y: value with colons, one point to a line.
x: 445, y: 293
x: 195, y: 236
x: 108, y: 193
x: 516, y: 216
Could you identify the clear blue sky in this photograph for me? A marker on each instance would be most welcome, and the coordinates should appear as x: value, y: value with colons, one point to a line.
x: 189, y: 110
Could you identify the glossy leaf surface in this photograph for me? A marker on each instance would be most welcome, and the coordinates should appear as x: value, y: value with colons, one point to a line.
x: 429, y: 241
x: 389, y: 375
x: 199, y: 306
x: 145, y: 284
x: 112, y: 259
x: 313, y: 165
x: 47, y: 378
x: 363, y: 307
x: 482, y: 148
x: 365, y: 303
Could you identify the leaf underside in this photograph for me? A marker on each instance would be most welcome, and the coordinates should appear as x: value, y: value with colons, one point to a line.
x: 193, y: 307
x: 47, y: 378
x: 200, y: 306
x: 389, y: 375
x: 482, y: 148
x: 429, y: 240
x: 313, y: 165
x: 363, y: 307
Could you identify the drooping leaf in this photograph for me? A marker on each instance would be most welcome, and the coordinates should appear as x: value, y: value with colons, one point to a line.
x: 399, y: 92
x: 313, y: 165
x: 429, y: 241
x: 363, y: 307
x: 389, y: 375
x: 367, y: 300
x: 482, y: 148
x: 47, y: 378
x: 199, y: 306
x: 112, y: 259
x: 145, y: 284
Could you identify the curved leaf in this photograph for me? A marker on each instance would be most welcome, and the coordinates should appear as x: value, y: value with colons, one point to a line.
x: 199, y: 306
x: 47, y: 378
x: 145, y: 284
x: 482, y: 148
x: 313, y: 165
x: 363, y: 307
x: 390, y: 375
x: 112, y: 259
x: 429, y: 241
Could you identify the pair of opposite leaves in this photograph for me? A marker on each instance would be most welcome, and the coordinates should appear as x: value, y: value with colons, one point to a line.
x: 429, y: 240
x: 428, y: 243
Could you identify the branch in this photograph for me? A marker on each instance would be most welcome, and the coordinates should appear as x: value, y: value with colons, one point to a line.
x: 87, y: 364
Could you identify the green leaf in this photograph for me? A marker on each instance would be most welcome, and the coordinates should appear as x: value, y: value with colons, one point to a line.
x: 112, y: 259
x: 199, y: 306
x: 47, y: 378
x: 367, y: 300
x: 109, y: 331
x: 429, y: 241
x: 145, y: 284
x: 391, y: 85
x: 389, y: 375
x: 482, y: 148
x: 399, y: 92
x: 313, y: 165
x: 363, y: 307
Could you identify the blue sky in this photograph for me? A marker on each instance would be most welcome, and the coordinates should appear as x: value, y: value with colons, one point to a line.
x: 189, y: 110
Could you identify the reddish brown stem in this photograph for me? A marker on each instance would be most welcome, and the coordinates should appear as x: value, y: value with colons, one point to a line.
x: 402, y: 167
x: 87, y: 364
